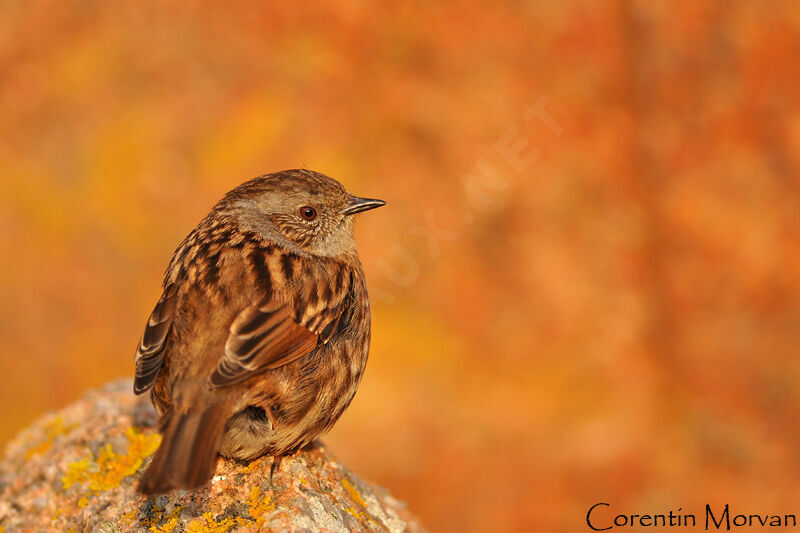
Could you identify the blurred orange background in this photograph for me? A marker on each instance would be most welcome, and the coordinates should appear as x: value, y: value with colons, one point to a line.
x: 586, y: 284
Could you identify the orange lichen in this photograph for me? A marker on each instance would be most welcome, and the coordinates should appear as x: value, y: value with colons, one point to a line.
x: 108, y: 469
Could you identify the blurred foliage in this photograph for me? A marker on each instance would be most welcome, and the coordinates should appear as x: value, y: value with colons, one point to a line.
x: 620, y: 322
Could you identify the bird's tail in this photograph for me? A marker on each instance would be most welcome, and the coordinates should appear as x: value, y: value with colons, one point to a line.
x: 187, y: 456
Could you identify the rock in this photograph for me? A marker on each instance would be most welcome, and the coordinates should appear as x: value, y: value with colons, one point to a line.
x: 76, y: 470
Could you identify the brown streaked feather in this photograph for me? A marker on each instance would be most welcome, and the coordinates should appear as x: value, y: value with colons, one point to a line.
x: 149, y: 355
x: 262, y: 337
x: 272, y: 334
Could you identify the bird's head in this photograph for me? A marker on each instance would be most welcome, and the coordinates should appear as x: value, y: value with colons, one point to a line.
x: 300, y: 209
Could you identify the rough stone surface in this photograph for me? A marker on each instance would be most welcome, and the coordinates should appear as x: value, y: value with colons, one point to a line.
x: 76, y: 470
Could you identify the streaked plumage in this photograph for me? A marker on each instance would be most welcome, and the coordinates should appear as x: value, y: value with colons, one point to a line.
x: 260, y: 338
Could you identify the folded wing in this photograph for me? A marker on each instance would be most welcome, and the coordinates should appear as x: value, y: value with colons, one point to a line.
x: 272, y: 333
x: 149, y: 355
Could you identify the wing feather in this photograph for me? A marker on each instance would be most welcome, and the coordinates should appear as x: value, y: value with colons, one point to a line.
x: 149, y: 355
x: 273, y: 333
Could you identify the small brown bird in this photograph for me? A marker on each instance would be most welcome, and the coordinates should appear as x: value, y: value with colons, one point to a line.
x: 259, y: 340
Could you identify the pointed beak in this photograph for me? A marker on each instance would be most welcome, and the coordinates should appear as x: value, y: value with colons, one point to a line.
x: 357, y: 205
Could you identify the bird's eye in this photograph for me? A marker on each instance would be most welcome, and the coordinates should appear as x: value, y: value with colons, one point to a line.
x: 308, y: 213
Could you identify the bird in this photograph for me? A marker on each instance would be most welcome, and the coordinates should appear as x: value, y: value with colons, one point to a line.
x: 261, y: 335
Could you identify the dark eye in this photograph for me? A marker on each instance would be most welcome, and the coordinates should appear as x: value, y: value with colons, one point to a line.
x: 308, y: 213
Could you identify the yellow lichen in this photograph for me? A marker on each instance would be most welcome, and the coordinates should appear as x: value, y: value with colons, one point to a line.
x: 207, y: 524
x: 157, y: 516
x: 360, y: 515
x: 253, y: 465
x: 351, y: 490
x: 152, y: 518
x: 108, y: 469
x: 127, y: 519
x: 40, y: 448
x: 259, y: 507
x: 168, y: 527
x: 53, y: 429
x: 76, y: 472
x: 83, y: 501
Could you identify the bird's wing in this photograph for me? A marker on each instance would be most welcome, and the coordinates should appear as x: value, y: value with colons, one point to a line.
x: 149, y: 355
x: 273, y: 333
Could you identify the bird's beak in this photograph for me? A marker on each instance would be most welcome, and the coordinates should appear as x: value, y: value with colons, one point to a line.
x: 357, y: 205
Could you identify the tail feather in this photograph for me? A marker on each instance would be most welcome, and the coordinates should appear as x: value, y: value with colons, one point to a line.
x: 187, y: 456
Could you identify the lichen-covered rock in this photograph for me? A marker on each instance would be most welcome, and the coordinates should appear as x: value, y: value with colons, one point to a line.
x: 76, y: 470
